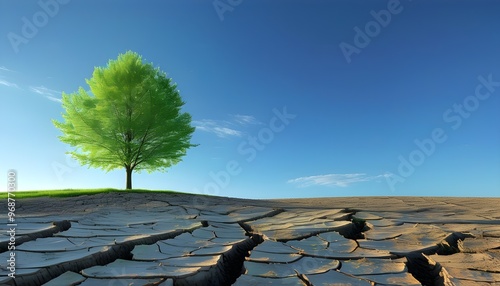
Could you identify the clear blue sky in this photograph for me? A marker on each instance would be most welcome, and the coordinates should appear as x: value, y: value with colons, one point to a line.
x: 290, y: 98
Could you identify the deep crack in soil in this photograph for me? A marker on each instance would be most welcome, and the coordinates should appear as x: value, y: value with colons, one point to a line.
x: 432, y: 273
x: 229, y: 267
x: 107, y: 255
x: 57, y: 226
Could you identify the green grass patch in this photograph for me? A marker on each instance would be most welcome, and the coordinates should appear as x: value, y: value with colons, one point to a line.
x: 75, y: 193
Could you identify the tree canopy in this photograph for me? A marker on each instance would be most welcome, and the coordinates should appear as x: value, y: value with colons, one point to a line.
x: 130, y: 118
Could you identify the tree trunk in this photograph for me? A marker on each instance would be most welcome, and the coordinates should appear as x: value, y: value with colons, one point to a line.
x: 129, y: 177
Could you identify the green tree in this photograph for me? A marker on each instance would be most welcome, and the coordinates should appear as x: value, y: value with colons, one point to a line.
x: 131, y: 118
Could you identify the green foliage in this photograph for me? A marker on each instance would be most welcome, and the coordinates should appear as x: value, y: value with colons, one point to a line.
x: 131, y: 118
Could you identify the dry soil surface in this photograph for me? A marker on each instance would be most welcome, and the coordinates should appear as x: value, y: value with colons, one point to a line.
x: 173, y: 239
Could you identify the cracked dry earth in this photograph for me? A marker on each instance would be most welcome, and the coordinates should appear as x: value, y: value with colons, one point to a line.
x: 173, y: 239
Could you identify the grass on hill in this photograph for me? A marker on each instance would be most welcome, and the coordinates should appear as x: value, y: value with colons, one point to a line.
x: 74, y: 193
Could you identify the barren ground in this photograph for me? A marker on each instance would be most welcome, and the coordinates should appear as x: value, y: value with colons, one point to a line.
x: 173, y: 239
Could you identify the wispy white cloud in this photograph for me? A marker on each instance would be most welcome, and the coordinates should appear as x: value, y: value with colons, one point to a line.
x: 333, y: 180
x: 226, y: 128
x: 48, y: 93
x: 55, y: 99
x: 5, y: 69
x: 5, y: 82
x: 246, y: 119
x: 44, y: 91
x: 8, y: 83
x: 218, y: 128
